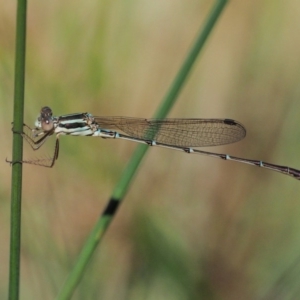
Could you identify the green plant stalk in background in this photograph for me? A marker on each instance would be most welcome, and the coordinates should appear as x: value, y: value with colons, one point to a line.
x: 17, y: 153
x: 129, y: 172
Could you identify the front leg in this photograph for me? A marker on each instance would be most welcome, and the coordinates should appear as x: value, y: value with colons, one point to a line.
x: 35, y: 137
x: 30, y: 135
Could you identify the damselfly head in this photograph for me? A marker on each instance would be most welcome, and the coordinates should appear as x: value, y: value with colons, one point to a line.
x: 45, y: 120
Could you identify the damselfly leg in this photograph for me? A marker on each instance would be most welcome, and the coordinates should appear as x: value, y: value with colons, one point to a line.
x: 35, y: 137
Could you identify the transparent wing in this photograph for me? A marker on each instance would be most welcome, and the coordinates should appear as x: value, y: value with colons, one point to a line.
x: 177, y: 132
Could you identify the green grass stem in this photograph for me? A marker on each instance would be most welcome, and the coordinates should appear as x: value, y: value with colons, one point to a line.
x: 123, y: 185
x: 17, y: 153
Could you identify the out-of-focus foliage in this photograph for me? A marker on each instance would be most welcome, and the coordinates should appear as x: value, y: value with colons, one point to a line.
x: 191, y: 227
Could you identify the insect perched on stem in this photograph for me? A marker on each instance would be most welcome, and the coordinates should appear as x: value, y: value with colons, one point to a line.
x: 176, y: 134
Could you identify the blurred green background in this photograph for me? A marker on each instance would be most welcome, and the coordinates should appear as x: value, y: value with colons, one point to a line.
x: 191, y: 227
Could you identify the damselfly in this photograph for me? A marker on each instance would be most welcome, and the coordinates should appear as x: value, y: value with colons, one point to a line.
x: 176, y: 134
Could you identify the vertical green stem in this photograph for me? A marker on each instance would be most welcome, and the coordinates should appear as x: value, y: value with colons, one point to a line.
x: 16, y: 183
x: 127, y: 176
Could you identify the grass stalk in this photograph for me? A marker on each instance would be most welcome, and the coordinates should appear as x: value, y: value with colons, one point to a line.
x: 123, y: 185
x: 17, y: 153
